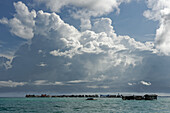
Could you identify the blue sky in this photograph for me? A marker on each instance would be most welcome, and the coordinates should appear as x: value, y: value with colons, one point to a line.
x: 131, y: 21
x: 84, y: 46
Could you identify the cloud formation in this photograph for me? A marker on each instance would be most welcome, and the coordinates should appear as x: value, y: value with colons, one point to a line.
x: 60, y: 55
x: 10, y: 83
x: 45, y: 82
x: 159, y: 10
x: 65, y: 41
x: 5, y: 63
x: 145, y: 83
x: 77, y: 81
x: 88, y: 7
x: 23, y: 22
x: 96, y: 87
x: 84, y: 10
x: 138, y: 83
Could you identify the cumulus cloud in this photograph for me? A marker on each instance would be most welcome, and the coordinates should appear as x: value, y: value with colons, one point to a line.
x: 145, y: 83
x: 89, y: 7
x: 4, y: 21
x: 103, y: 40
x: 85, y: 24
x: 96, y: 87
x: 100, y: 41
x: 96, y: 58
x: 83, y: 10
x: 159, y: 10
x: 10, y: 83
x: 130, y: 84
x: 138, y: 83
x: 45, y: 82
x: 78, y: 81
x: 42, y: 64
x: 23, y: 22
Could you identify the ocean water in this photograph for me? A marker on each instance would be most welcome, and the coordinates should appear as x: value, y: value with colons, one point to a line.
x: 81, y: 105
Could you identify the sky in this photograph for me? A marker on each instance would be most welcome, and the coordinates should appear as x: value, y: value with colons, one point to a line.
x: 92, y: 46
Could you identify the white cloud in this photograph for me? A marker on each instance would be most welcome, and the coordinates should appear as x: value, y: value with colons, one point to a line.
x: 58, y: 83
x: 42, y: 64
x: 78, y: 81
x: 69, y: 53
x: 104, y: 25
x: 23, y: 22
x: 4, y: 21
x: 40, y: 82
x: 96, y: 87
x: 85, y: 24
x: 89, y: 7
x: 40, y: 51
x: 131, y: 84
x: 46, y: 22
x: 10, y: 83
x: 84, y: 9
x: 160, y: 10
x: 45, y: 82
x: 80, y: 55
x: 138, y: 83
x: 103, y: 40
x: 145, y: 83
x: 105, y: 87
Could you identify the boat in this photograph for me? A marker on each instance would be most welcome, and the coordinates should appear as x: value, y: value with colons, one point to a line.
x: 91, y: 99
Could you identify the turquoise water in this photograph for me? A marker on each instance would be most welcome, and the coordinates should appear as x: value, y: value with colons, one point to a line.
x: 81, y: 105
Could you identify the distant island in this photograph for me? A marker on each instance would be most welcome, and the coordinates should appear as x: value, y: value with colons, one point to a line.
x: 79, y: 96
x: 145, y: 97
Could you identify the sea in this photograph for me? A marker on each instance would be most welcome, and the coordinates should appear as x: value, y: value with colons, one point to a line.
x: 81, y: 105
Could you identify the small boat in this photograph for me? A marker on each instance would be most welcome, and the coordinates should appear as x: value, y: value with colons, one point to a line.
x: 91, y: 99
